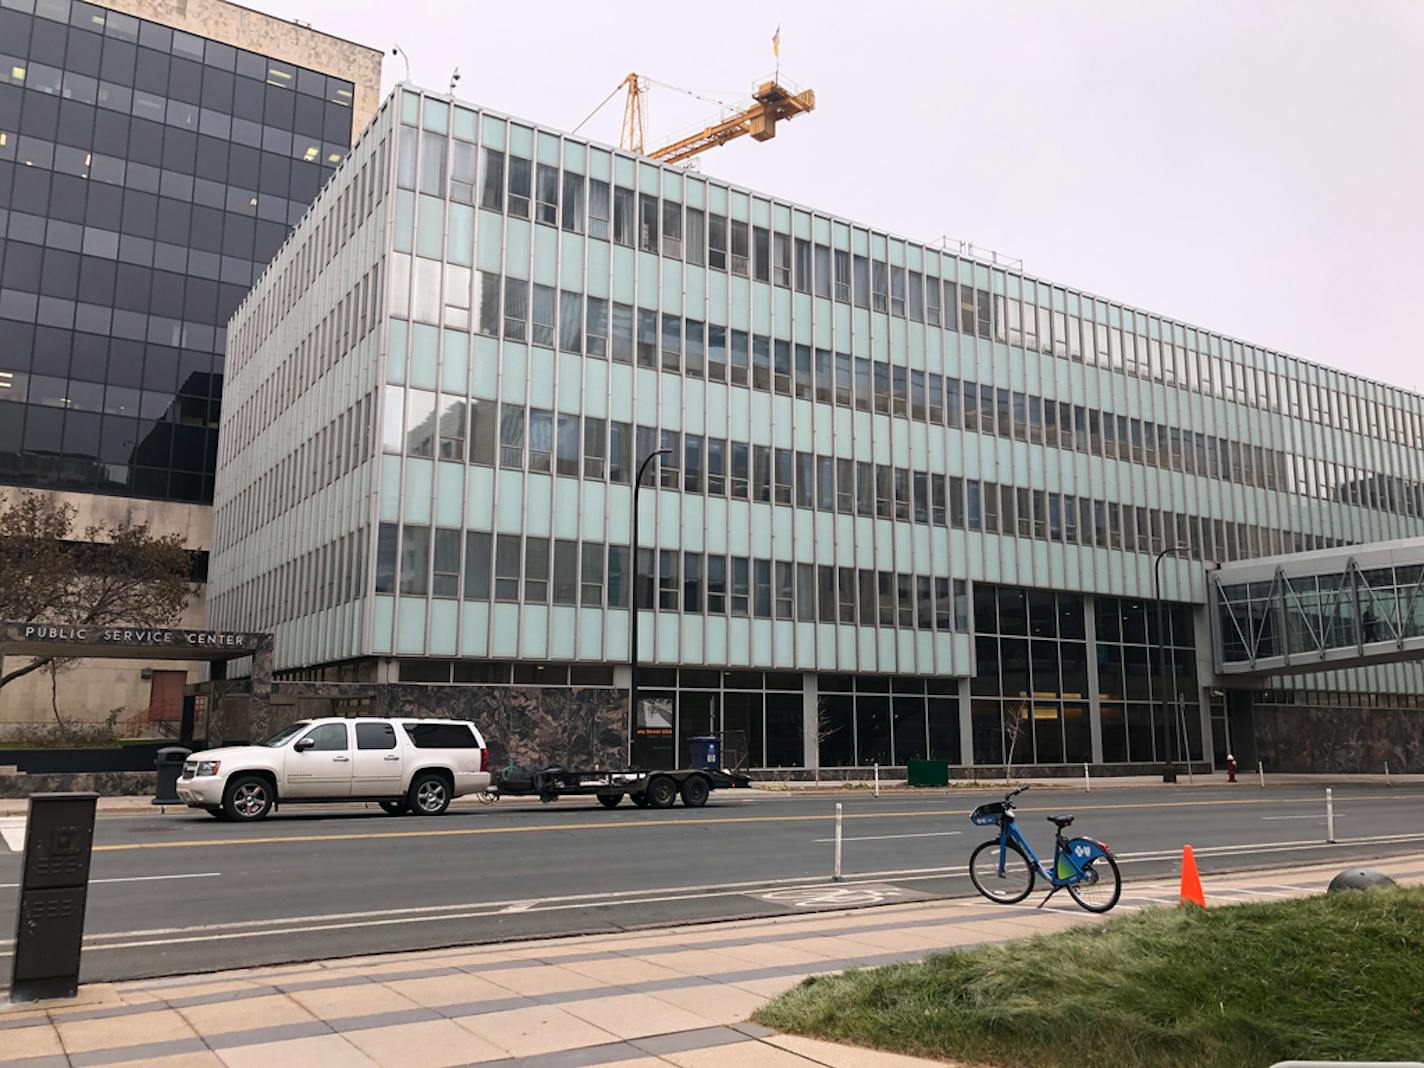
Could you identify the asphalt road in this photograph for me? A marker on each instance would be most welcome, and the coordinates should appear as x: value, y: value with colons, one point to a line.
x: 183, y: 892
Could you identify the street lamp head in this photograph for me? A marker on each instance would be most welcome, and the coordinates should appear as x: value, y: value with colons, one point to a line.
x: 647, y: 462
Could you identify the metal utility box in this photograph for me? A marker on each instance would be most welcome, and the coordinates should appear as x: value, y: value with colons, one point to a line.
x: 49, y: 930
x: 927, y: 772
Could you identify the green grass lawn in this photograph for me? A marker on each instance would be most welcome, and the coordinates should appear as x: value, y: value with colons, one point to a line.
x: 1332, y: 977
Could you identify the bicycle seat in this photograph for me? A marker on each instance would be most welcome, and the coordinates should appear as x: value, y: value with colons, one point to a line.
x: 1061, y: 821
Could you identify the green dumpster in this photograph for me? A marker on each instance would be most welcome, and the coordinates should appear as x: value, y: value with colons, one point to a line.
x: 928, y: 772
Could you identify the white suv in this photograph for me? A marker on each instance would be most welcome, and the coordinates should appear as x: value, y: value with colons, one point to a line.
x: 408, y: 765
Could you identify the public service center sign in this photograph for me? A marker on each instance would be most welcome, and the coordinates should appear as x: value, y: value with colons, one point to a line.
x: 167, y: 639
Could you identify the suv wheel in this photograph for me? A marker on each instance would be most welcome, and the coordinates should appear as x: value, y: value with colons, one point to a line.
x: 247, y: 798
x: 662, y: 792
x: 395, y: 808
x: 429, y: 795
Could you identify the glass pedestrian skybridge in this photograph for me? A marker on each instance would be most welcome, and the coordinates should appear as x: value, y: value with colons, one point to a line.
x: 1333, y: 608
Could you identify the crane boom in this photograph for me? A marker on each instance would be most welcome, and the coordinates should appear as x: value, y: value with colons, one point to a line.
x: 771, y: 103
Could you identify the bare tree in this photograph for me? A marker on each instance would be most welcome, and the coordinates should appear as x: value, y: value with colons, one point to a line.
x: 1013, y: 733
x: 108, y: 573
x: 826, y: 729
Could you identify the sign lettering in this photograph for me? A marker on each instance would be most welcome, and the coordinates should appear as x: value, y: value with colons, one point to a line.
x: 153, y: 637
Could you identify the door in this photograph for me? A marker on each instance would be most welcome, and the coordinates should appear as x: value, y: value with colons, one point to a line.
x: 319, y: 763
x: 696, y: 717
x: 1220, y: 734
x: 165, y: 697
x: 1240, y: 721
x: 376, y: 763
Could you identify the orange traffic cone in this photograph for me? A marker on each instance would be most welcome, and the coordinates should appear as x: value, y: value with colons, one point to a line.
x: 1191, y: 881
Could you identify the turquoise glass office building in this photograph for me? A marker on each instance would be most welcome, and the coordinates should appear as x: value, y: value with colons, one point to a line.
x: 912, y: 499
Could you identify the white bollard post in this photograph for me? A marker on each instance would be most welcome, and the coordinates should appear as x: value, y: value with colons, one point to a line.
x: 877, y: 780
x: 1261, y: 771
x: 1386, y: 772
x: 1329, y: 815
x: 836, y: 875
x: 1087, y: 782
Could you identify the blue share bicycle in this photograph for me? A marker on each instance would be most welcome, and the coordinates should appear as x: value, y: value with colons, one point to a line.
x: 1003, y: 869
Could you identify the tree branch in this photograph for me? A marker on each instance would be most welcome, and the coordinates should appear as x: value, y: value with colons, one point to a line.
x: 19, y: 673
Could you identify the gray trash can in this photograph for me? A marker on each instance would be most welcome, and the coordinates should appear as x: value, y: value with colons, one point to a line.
x: 168, y: 762
x: 704, y: 751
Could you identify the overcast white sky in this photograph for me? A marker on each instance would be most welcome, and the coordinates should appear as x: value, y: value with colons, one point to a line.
x: 1252, y: 166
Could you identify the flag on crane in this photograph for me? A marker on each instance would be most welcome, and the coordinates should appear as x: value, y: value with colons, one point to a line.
x: 776, y: 42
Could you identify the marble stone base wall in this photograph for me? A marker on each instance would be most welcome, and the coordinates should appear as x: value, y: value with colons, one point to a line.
x: 531, y: 725
x: 103, y: 783
x: 230, y: 717
x: 1316, y: 739
x: 984, y: 773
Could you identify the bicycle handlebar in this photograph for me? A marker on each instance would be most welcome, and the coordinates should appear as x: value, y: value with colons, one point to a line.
x: 1014, y: 793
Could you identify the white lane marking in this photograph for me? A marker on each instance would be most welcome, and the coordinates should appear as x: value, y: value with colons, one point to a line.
x: 1272, y: 847
x: 295, y: 925
x: 840, y: 895
x: 418, y: 913
x: 1306, y: 816
x: 12, y: 832
x: 140, y: 878
x: 169, y: 939
x: 883, y: 837
x: 1266, y: 893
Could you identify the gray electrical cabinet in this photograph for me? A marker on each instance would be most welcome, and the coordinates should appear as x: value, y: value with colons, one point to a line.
x: 49, y: 932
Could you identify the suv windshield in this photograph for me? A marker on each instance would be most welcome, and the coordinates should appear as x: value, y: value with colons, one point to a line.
x: 285, y: 733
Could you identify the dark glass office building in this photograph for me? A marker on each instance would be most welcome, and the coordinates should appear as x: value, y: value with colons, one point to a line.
x: 147, y: 175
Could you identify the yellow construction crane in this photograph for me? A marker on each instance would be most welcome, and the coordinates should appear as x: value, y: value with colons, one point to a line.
x: 771, y: 102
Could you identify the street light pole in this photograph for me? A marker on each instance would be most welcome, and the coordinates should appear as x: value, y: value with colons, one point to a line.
x: 1169, y: 774
x: 633, y: 621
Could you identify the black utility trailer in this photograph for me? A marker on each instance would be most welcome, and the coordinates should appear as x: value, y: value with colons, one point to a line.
x: 648, y: 789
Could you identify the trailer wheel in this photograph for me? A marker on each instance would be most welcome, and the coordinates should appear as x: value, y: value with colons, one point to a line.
x: 662, y: 792
x: 695, y: 791
x: 609, y: 800
x: 640, y: 799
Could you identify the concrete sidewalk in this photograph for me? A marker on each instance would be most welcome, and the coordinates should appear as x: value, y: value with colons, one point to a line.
x: 676, y: 996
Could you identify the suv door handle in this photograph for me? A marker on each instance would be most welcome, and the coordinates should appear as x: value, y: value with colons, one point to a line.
x: 392, y: 756
x: 341, y: 759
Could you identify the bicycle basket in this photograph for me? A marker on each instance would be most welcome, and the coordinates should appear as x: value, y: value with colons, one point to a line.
x: 988, y: 815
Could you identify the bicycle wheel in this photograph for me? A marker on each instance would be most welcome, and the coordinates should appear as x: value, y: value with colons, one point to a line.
x: 1101, y: 885
x: 1012, y: 885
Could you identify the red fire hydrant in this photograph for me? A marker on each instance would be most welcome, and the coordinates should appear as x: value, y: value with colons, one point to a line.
x: 1230, y: 768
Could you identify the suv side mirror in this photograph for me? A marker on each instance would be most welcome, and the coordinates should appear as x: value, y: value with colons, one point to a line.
x: 303, y: 744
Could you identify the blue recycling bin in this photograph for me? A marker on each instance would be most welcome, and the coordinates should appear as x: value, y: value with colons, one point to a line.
x: 704, y: 751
